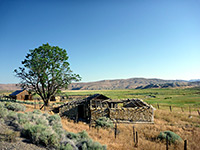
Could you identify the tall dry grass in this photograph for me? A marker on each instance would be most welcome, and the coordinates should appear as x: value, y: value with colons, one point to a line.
x: 188, y: 128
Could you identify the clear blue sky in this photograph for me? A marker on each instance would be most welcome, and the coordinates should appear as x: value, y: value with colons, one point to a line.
x: 105, y: 39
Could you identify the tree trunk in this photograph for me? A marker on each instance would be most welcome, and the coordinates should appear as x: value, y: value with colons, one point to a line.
x: 46, y: 103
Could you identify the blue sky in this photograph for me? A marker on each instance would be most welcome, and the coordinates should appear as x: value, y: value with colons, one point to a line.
x: 105, y: 39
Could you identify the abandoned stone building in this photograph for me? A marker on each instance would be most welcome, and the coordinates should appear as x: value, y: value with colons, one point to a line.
x: 98, y: 105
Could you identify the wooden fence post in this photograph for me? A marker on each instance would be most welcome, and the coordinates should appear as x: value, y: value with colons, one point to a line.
x: 115, y: 130
x: 190, y: 110
x: 136, y: 143
x: 182, y: 109
x: 133, y: 134
x: 167, y: 142
x: 185, y: 145
x: 170, y: 107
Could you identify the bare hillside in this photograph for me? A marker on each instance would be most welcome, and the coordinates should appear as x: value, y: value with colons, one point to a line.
x: 9, y: 87
x: 131, y: 83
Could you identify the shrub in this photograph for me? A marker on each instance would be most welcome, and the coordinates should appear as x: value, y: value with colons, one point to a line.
x: 172, y: 137
x: 66, y: 147
x: 54, y: 119
x: 3, y: 112
x: 22, y: 118
x: 40, y: 134
x: 9, y: 135
x: 89, y: 144
x: 11, y: 116
x: 104, y: 122
x: 15, y: 107
x: 83, y: 141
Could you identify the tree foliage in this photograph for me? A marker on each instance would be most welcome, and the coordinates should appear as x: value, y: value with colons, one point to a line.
x: 46, y: 70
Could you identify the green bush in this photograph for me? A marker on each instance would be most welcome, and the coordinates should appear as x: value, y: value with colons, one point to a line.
x: 8, y: 135
x: 15, y: 107
x: 104, y: 122
x: 66, y: 147
x: 172, y: 137
x: 84, y: 142
x: 3, y: 112
x: 40, y: 134
x: 89, y: 144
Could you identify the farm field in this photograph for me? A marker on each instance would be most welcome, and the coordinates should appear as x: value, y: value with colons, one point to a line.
x: 175, y: 97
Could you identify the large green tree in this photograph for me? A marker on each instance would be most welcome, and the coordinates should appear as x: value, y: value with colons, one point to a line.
x: 46, y: 71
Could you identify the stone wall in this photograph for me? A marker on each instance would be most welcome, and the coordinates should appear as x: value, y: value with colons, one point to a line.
x: 124, y: 115
x: 69, y: 111
x: 98, y: 112
x: 132, y: 115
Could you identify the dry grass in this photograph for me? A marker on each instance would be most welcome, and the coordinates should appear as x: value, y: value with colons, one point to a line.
x: 188, y: 128
x: 177, y: 122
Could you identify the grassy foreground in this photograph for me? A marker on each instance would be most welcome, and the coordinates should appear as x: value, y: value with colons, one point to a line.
x: 174, y: 97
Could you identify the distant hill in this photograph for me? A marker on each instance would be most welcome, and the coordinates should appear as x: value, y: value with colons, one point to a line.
x: 9, y: 87
x: 194, y: 80
x: 132, y: 83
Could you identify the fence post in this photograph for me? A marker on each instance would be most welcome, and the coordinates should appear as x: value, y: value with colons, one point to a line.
x: 115, y: 130
x: 133, y: 134
x: 182, y: 109
x: 136, y: 143
x: 170, y: 107
x: 190, y: 110
x: 167, y: 142
x: 185, y: 145
x: 158, y: 105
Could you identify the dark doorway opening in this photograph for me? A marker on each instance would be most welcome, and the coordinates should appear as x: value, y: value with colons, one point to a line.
x: 26, y: 97
x: 81, y: 112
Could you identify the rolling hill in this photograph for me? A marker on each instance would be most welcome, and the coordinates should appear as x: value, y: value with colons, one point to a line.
x: 132, y: 83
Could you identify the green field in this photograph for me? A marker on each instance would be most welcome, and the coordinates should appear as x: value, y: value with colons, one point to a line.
x: 174, y: 97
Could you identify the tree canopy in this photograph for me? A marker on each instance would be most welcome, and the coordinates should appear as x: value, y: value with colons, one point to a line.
x: 46, y: 70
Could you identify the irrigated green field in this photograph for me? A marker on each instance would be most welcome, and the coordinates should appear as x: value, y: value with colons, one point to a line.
x: 174, y: 97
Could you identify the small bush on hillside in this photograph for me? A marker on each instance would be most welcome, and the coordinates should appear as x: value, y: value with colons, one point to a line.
x: 83, y: 141
x: 8, y: 135
x: 15, y: 107
x: 104, y: 122
x: 3, y: 112
x: 172, y: 137
x: 66, y: 147
x: 40, y: 134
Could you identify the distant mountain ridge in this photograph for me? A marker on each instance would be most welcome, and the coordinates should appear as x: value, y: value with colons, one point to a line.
x: 131, y: 83
x: 9, y: 87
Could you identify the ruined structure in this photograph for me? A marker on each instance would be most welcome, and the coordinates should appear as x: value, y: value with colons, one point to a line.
x: 121, y: 111
x: 21, y: 95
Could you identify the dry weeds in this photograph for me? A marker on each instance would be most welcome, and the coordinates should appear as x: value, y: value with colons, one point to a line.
x: 186, y: 126
x: 178, y: 122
